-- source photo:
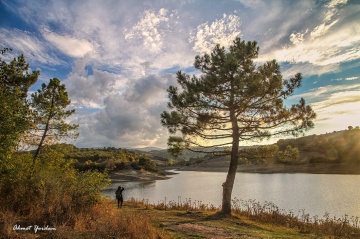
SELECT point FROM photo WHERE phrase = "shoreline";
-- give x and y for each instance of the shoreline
(125, 175)
(319, 168)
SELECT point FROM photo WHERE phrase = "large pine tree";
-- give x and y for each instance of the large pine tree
(233, 100)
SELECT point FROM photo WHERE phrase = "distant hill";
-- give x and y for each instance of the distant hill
(340, 146)
(337, 152)
(145, 149)
(186, 154)
(164, 155)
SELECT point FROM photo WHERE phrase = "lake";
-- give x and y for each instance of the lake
(315, 193)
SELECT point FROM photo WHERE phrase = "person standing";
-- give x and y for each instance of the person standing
(119, 196)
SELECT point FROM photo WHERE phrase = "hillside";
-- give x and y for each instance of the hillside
(164, 154)
(337, 152)
(104, 159)
(341, 146)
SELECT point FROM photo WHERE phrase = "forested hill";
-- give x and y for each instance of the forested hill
(338, 146)
(331, 148)
(101, 159)
(337, 152)
(341, 146)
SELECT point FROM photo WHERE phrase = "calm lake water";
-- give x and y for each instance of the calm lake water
(315, 193)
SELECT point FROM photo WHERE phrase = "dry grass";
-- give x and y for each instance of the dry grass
(269, 213)
(180, 205)
(326, 226)
(106, 221)
(103, 221)
(167, 219)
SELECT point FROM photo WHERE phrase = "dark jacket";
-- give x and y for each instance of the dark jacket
(118, 192)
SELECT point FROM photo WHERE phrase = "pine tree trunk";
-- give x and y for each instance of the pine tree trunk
(41, 141)
(45, 130)
(230, 178)
(228, 186)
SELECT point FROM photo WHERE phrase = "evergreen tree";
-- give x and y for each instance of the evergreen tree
(233, 100)
(49, 104)
(15, 116)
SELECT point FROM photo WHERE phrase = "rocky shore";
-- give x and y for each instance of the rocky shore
(137, 175)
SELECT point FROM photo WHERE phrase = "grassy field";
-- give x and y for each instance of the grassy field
(138, 219)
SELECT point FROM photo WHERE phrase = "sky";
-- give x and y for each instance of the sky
(117, 58)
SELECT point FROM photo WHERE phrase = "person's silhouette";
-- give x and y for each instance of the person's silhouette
(119, 196)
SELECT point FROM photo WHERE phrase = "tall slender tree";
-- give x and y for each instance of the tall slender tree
(49, 106)
(233, 100)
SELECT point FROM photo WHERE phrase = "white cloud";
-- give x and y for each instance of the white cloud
(322, 29)
(352, 78)
(339, 102)
(327, 36)
(297, 38)
(308, 69)
(159, 39)
(148, 32)
(324, 91)
(89, 90)
(347, 78)
(222, 31)
(337, 46)
(69, 45)
(334, 3)
(332, 8)
(24, 42)
(252, 3)
(124, 123)
(339, 109)
(125, 116)
(336, 107)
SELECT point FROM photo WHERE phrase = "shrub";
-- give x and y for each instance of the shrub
(53, 192)
(147, 164)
